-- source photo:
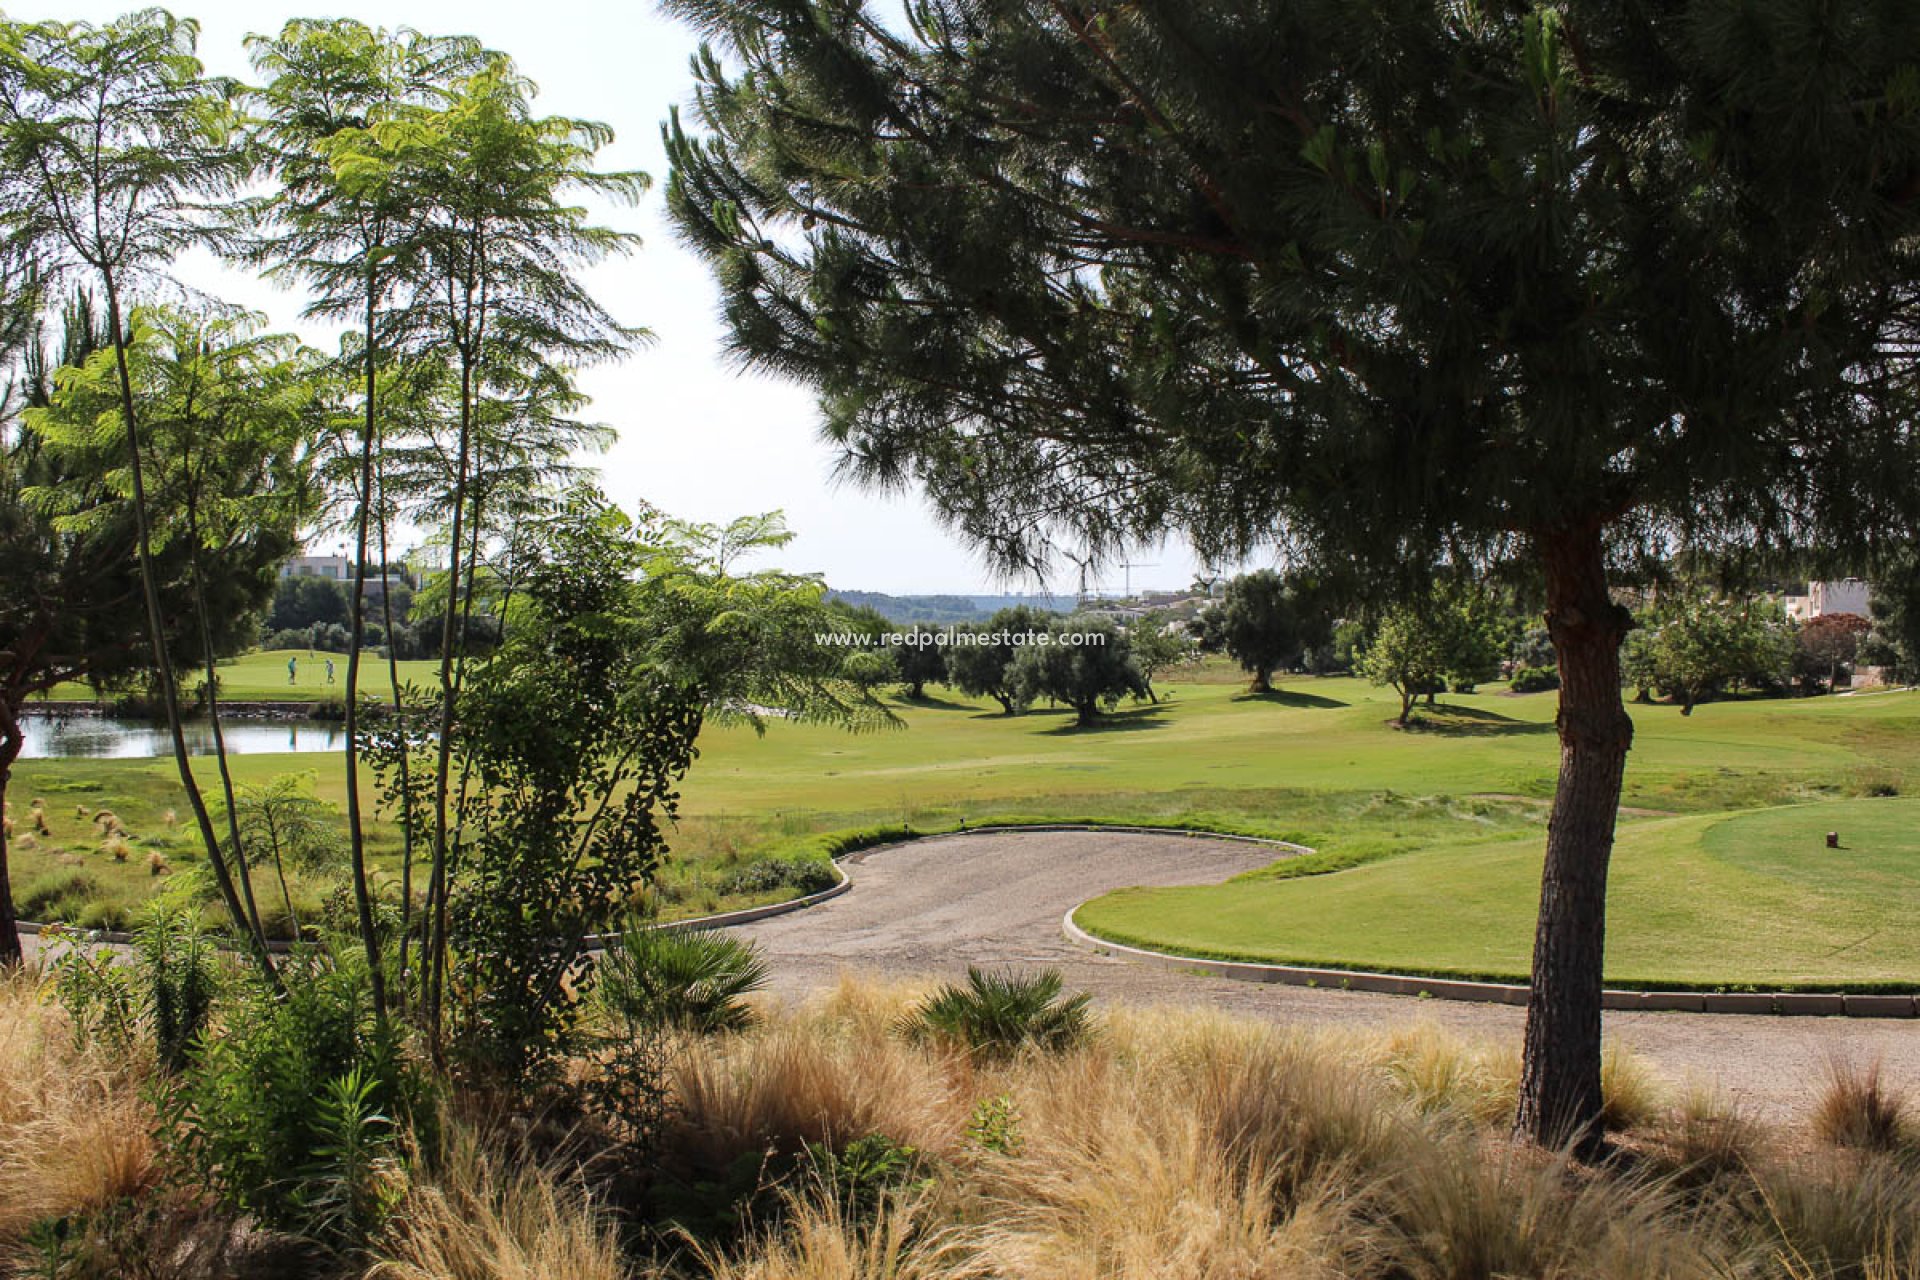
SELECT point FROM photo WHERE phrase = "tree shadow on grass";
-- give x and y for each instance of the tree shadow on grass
(1450, 720)
(1147, 717)
(929, 702)
(1289, 698)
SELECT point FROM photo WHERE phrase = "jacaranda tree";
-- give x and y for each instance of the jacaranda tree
(340, 218)
(1393, 282)
(116, 146)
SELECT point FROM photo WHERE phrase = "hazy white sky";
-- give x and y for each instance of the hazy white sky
(696, 437)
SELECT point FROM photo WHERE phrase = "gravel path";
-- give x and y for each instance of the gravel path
(933, 907)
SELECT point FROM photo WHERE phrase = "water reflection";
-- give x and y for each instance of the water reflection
(103, 737)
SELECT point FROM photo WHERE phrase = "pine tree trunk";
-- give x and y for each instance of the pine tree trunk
(11, 741)
(1560, 1074)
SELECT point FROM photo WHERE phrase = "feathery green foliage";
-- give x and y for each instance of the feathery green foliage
(681, 979)
(997, 1014)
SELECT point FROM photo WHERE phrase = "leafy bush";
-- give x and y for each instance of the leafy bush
(59, 896)
(294, 1112)
(168, 991)
(799, 872)
(98, 995)
(1535, 679)
(997, 1014)
(863, 1173)
(687, 979)
(994, 1125)
(180, 978)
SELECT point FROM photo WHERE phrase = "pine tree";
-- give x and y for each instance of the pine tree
(1395, 283)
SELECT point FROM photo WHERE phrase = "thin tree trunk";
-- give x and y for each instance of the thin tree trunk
(220, 739)
(212, 669)
(437, 887)
(356, 628)
(406, 789)
(286, 894)
(1560, 1098)
(156, 634)
(12, 739)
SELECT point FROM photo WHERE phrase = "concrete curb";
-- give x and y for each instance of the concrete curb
(746, 915)
(1753, 1003)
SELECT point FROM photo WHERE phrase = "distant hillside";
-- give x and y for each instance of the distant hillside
(947, 609)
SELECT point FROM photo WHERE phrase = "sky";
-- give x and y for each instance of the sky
(697, 437)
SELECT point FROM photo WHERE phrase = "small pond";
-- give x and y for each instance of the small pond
(106, 737)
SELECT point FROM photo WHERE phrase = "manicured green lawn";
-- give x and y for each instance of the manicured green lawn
(1751, 899)
(262, 677)
(1452, 813)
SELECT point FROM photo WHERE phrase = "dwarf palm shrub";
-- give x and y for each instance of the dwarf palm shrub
(693, 980)
(996, 1014)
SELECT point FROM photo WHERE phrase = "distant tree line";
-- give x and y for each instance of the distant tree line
(1085, 662)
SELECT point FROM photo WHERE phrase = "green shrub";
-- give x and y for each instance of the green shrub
(688, 979)
(997, 1014)
(800, 872)
(994, 1125)
(1535, 679)
(293, 1113)
(863, 1173)
(167, 992)
(99, 996)
(178, 980)
(112, 916)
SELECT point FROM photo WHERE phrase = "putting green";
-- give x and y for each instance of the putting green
(1748, 900)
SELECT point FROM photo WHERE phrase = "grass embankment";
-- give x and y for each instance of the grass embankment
(1173, 1144)
(1448, 816)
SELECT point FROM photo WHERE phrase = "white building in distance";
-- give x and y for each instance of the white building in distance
(339, 568)
(1847, 595)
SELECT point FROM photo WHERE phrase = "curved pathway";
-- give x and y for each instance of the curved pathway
(934, 906)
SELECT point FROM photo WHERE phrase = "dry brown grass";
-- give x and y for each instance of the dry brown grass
(1195, 1146)
(1858, 1109)
(1173, 1146)
(810, 1081)
(75, 1133)
(820, 1239)
(476, 1214)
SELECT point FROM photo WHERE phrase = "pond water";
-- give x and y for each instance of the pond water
(105, 737)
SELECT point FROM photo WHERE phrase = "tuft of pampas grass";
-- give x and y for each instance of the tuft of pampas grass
(75, 1129)
(475, 1212)
(1856, 1108)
